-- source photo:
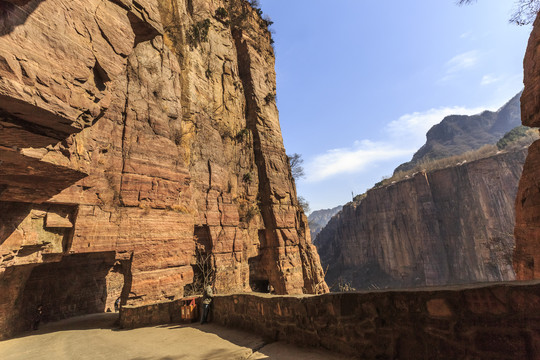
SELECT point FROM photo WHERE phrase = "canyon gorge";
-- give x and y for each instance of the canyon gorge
(441, 227)
(140, 144)
(446, 217)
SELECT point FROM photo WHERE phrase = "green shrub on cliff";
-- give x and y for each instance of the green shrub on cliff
(198, 33)
(303, 203)
(520, 135)
(221, 14)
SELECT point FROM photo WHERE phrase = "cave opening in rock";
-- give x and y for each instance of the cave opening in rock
(204, 272)
(257, 281)
(77, 285)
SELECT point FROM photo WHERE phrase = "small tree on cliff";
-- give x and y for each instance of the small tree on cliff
(524, 10)
(297, 171)
(303, 204)
(295, 162)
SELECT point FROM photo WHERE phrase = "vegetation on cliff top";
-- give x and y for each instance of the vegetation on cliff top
(458, 134)
(517, 138)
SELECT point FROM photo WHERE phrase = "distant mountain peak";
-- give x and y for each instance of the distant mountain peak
(319, 218)
(457, 134)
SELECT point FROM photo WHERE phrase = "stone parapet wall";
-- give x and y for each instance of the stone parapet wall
(155, 314)
(499, 321)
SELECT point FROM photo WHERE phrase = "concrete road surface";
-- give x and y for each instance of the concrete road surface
(94, 337)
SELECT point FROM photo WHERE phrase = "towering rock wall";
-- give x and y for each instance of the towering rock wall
(137, 140)
(527, 230)
(448, 226)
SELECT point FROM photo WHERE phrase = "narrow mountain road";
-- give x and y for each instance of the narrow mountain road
(94, 337)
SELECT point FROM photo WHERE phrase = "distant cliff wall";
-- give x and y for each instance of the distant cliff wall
(445, 227)
(318, 219)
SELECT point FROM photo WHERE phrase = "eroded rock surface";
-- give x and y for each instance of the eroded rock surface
(527, 230)
(134, 144)
(447, 226)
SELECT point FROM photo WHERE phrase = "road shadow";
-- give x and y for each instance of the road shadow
(261, 348)
(14, 13)
(234, 336)
(84, 322)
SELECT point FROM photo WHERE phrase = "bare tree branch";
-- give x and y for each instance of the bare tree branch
(296, 161)
(524, 13)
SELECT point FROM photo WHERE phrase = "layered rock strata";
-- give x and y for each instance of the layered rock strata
(527, 230)
(447, 226)
(137, 140)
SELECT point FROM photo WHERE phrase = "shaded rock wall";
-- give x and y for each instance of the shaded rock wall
(319, 218)
(527, 230)
(483, 322)
(445, 227)
(120, 133)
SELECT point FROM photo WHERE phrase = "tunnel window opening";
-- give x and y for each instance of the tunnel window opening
(204, 273)
(203, 239)
(260, 286)
(77, 285)
(257, 280)
(202, 263)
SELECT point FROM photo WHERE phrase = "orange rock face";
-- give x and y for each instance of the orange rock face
(527, 230)
(134, 136)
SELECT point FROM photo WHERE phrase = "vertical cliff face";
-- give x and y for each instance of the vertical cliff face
(137, 140)
(447, 226)
(527, 230)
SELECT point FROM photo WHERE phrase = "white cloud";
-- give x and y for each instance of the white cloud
(489, 79)
(462, 61)
(416, 125)
(404, 136)
(351, 160)
(459, 63)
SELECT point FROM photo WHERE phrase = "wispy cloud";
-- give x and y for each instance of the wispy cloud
(403, 137)
(415, 126)
(352, 160)
(490, 79)
(460, 63)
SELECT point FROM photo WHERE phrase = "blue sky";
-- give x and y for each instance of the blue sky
(360, 82)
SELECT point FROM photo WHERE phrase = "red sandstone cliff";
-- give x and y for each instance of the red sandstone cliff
(447, 226)
(527, 230)
(131, 134)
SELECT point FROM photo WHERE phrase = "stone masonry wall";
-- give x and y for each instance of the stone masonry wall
(499, 321)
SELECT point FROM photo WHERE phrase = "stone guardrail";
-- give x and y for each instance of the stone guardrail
(498, 321)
